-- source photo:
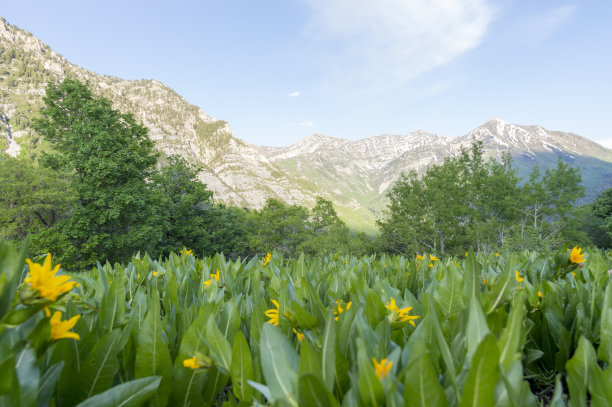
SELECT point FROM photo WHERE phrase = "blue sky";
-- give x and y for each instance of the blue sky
(279, 70)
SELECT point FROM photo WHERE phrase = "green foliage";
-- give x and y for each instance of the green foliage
(143, 324)
(469, 202)
(110, 156)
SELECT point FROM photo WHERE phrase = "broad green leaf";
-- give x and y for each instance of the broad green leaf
(312, 392)
(605, 331)
(279, 361)
(47, 384)
(241, 368)
(479, 388)
(421, 386)
(130, 394)
(510, 341)
(112, 308)
(578, 372)
(328, 353)
(370, 389)
(472, 277)
(477, 327)
(310, 360)
(152, 354)
(28, 374)
(220, 349)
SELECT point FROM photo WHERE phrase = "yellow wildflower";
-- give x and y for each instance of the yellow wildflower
(155, 274)
(339, 310)
(137, 275)
(43, 279)
(540, 294)
(299, 335)
(273, 313)
(576, 256)
(419, 257)
(402, 313)
(187, 252)
(267, 259)
(433, 258)
(496, 254)
(192, 363)
(573, 274)
(430, 265)
(59, 328)
(466, 254)
(484, 282)
(215, 276)
(382, 368)
(518, 277)
(206, 283)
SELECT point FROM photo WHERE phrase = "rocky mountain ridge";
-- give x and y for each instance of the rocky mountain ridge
(354, 174)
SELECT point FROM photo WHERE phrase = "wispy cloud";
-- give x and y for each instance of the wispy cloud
(538, 27)
(306, 124)
(388, 42)
(294, 94)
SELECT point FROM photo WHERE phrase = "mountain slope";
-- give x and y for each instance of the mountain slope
(354, 174)
(236, 171)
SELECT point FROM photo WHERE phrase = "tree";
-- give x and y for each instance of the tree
(111, 157)
(32, 199)
(598, 220)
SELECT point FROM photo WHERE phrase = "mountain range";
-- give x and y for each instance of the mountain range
(354, 174)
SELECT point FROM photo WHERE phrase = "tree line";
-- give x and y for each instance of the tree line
(103, 193)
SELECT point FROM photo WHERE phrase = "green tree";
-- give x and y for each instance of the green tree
(32, 199)
(111, 157)
(598, 220)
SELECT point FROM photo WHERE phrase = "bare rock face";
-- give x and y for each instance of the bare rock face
(354, 174)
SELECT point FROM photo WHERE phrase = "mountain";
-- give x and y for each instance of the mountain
(354, 174)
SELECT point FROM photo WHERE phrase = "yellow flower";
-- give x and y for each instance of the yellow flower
(518, 277)
(466, 254)
(299, 335)
(43, 279)
(484, 282)
(110, 283)
(573, 274)
(59, 328)
(267, 259)
(187, 252)
(191, 363)
(137, 275)
(430, 265)
(496, 254)
(576, 256)
(273, 314)
(154, 273)
(419, 257)
(382, 368)
(215, 276)
(540, 294)
(206, 283)
(433, 258)
(402, 313)
(339, 310)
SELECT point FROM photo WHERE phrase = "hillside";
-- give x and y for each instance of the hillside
(354, 174)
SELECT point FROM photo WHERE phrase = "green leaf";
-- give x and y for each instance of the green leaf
(130, 394)
(310, 361)
(328, 353)
(605, 331)
(472, 277)
(11, 266)
(28, 374)
(477, 327)
(510, 341)
(278, 362)
(98, 371)
(421, 386)
(312, 392)
(370, 389)
(47, 384)
(220, 349)
(579, 372)
(112, 308)
(241, 368)
(479, 388)
(152, 354)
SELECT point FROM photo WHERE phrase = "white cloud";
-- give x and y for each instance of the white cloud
(538, 27)
(306, 124)
(388, 42)
(605, 142)
(294, 94)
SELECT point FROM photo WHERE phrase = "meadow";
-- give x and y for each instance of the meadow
(503, 329)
